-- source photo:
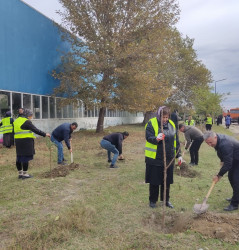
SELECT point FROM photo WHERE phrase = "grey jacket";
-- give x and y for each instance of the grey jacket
(192, 133)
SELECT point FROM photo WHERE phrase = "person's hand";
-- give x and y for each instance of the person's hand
(121, 157)
(180, 160)
(160, 137)
(48, 135)
(70, 149)
(216, 178)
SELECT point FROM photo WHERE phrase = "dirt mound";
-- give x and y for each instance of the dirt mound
(219, 226)
(211, 225)
(60, 171)
(186, 171)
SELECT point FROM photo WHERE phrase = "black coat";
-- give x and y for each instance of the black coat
(115, 139)
(228, 151)
(155, 167)
(25, 146)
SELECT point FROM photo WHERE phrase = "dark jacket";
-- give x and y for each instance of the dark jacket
(115, 139)
(191, 134)
(228, 151)
(174, 118)
(63, 132)
(25, 146)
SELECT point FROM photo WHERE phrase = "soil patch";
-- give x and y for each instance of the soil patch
(60, 171)
(186, 171)
(211, 225)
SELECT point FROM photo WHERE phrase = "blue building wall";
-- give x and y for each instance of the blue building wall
(28, 49)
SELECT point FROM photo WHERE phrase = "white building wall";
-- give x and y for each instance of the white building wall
(48, 125)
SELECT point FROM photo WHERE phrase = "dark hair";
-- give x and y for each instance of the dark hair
(125, 133)
(180, 126)
(8, 114)
(74, 124)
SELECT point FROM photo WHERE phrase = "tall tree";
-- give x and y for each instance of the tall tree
(113, 51)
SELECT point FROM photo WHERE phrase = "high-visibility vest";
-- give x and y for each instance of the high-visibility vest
(21, 133)
(6, 126)
(209, 120)
(151, 149)
(191, 123)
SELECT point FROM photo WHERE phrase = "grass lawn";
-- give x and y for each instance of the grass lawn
(94, 207)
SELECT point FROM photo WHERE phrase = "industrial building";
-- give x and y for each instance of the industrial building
(30, 48)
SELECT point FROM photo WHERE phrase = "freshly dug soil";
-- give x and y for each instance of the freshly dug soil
(60, 171)
(210, 225)
(186, 171)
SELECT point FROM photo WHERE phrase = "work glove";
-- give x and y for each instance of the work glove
(160, 137)
(180, 160)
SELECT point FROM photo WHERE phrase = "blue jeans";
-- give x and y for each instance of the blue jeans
(111, 149)
(60, 149)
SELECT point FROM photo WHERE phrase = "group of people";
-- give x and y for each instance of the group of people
(161, 133)
(161, 148)
(21, 131)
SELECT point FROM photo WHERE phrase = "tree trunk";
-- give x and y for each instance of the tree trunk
(147, 116)
(100, 123)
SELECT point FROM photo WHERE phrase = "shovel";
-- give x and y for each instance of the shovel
(71, 153)
(202, 208)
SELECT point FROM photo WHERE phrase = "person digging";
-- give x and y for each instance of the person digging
(227, 149)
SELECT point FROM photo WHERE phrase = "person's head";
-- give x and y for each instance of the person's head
(28, 113)
(164, 112)
(20, 111)
(189, 117)
(210, 138)
(125, 134)
(8, 114)
(181, 127)
(74, 126)
(208, 115)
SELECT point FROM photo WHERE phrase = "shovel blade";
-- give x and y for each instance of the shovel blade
(200, 208)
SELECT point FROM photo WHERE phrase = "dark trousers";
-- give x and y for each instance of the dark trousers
(22, 166)
(154, 192)
(194, 150)
(233, 176)
(208, 127)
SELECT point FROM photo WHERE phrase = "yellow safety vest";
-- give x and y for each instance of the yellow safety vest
(151, 149)
(209, 120)
(192, 122)
(21, 133)
(6, 126)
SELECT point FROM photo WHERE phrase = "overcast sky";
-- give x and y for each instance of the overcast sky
(214, 26)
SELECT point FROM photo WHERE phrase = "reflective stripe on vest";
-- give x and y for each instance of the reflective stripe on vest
(209, 120)
(151, 149)
(21, 133)
(6, 126)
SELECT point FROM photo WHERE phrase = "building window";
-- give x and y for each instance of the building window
(4, 103)
(16, 103)
(36, 107)
(58, 108)
(44, 107)
(27, 101)
(52, 108)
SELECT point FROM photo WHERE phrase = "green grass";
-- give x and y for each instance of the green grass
(95, 207)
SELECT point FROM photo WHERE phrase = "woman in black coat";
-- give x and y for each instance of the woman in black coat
(24, 140)
(154, 156)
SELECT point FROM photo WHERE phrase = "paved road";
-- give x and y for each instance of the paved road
(235, 129)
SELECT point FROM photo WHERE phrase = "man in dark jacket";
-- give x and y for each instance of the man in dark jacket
(228, 152)
(113, 144)
(194, 138)
(63, 133)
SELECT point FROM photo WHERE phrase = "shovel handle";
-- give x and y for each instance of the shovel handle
(210, 190)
